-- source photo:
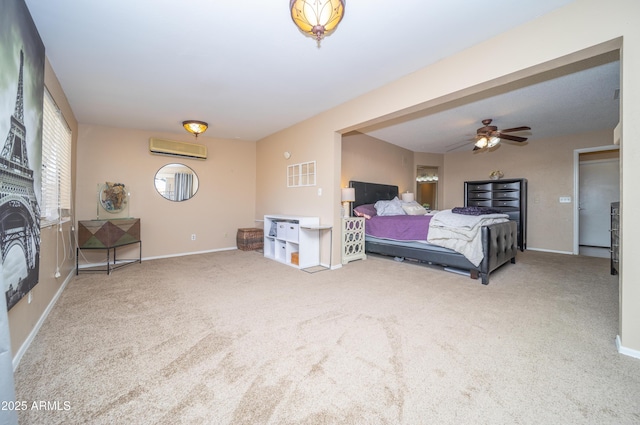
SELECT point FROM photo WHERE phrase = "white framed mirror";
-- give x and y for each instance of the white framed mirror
(176, 182)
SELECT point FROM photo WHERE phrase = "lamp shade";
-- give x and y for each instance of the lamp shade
(348, 194)
(408, 197)
(317, 18)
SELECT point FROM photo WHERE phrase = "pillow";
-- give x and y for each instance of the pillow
(413, 208)
(392, 207)
(366, 210)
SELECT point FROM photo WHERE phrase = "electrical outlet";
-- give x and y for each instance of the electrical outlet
(29, 298)
(319, 191)
(193, 237)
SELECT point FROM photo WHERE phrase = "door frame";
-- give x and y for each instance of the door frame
(576, 190)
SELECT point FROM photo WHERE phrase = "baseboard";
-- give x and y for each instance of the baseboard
(183, 254)
(550, 250)
(334, 267)
(626, 351)
(25, 345)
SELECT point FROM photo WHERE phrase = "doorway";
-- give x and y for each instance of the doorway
(427, 187)
(598, 185)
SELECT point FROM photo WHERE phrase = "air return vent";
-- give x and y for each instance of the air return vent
(179, 149)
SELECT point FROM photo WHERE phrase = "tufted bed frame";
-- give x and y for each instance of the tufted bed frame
(499, 241)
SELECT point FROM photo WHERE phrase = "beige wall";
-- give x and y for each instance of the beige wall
(580, 30)
(308, 141)
(225, 200)
(368, 159)
(548, 167)
(56, 250)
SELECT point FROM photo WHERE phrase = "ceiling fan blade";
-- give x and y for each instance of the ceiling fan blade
(514, 138)
(511, 130)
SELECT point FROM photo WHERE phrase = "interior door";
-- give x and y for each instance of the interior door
(599, 186)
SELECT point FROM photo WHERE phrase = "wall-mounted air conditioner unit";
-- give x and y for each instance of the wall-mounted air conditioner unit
(180, 149)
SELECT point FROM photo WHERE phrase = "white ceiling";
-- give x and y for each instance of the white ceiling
(243, 67)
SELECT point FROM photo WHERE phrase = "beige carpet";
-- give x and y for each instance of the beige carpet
(232, 338)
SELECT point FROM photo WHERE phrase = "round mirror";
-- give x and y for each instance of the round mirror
(176, 182)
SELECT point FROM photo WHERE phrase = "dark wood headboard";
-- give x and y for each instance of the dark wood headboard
(369, 193)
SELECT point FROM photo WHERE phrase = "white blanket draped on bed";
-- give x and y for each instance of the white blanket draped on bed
(461, 233)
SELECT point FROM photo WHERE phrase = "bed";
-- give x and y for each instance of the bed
(498, 241)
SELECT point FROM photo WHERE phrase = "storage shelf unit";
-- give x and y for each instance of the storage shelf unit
(287, 241)
(507, 195)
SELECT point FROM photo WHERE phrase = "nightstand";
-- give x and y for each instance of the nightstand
(352, 239)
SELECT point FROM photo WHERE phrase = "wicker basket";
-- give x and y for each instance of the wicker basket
(250, 239)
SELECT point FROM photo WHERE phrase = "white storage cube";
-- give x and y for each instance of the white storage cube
(282, 230)
(292, 232)
(281, 251)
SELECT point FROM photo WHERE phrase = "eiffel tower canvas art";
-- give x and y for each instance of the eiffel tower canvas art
(22, 66)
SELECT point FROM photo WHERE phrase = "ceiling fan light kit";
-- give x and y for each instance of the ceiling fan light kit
(489, 136)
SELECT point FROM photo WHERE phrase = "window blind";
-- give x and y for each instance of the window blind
(56, 165)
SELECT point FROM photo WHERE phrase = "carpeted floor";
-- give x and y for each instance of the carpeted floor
(232, 338)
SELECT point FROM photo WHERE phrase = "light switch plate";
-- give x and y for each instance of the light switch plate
(565, 199)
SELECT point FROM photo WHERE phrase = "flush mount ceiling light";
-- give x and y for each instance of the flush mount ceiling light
(195, 127)
(317, 18)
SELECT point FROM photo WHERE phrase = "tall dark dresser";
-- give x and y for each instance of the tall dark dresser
(509, 196)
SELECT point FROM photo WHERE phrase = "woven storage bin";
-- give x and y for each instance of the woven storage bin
(250, 239)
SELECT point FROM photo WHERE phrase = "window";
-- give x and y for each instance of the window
(303, 174)
(56, 165)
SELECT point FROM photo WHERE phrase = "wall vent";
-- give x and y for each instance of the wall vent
(179, 149)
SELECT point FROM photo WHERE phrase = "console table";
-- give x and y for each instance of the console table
(108, 235)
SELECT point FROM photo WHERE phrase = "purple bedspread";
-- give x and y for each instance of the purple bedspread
(399, 227)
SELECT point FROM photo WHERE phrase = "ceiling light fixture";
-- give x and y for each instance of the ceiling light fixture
(493, 141)
(195, 127)
(486, 142)
(317, 18)
(482, 143)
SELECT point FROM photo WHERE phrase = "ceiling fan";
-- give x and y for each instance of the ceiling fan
(489, 135)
